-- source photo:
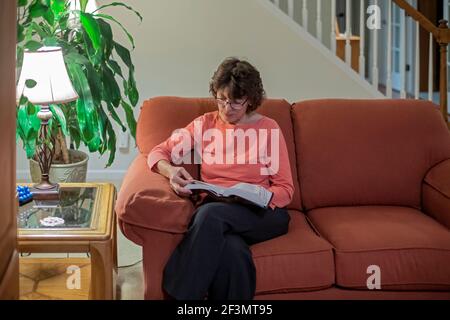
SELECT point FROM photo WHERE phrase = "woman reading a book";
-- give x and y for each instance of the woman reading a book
(214, 260)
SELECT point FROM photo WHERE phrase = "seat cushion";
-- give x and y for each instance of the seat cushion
(411, 249)
(297, 261)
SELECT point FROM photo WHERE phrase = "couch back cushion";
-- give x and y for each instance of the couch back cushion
(366, 152)
(160, 116)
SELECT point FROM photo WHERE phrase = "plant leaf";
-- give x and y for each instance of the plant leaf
(51, 41)
(95, 83)
(111, 144)
(95, 56)
(115, 4)
(105, 16)
(102, 125)
(115, 116)
(83, 5)
(28, 125)
(33, 45)
(86, 113)
(30, 83)
(49, 17)
(132, 91)
(34, 26)
(60, 118)
(92, 29)
(124, 54)
(58, 8)
(107, 37)
(111, 90)
(115, 67)
(75, 57)
(131, 121)
(37, 9)
(20, 33)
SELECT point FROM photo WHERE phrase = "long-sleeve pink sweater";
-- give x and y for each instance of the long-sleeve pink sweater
(231, 153)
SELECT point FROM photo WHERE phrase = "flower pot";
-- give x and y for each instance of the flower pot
(72, 172)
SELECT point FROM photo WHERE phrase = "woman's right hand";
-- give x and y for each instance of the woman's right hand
(178, 178)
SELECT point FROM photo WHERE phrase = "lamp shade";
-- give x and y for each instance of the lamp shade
(46, 67)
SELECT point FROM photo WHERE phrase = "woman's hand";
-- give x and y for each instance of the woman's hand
(178, 178)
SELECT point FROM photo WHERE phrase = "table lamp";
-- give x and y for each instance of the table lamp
(53, 86)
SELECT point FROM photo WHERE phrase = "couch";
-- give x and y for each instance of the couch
(372, 200)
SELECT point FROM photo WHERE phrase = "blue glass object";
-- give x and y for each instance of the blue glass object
(25, 194)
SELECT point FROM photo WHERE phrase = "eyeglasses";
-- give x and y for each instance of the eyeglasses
(234, 105)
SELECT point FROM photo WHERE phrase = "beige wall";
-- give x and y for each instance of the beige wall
(181, 42)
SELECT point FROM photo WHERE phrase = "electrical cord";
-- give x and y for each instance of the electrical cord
(131, 265)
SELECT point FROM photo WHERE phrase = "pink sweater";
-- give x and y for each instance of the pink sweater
(224, 163)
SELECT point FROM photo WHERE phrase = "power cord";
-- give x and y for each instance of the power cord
(131, 265)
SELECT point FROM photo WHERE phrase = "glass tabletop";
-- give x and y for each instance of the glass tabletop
(74, 210)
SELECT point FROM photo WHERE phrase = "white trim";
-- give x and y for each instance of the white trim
(319, 20)
(362, 28)
(92, 175)
(321, 48)
(305, 15)
(291, 8)
(389, 52)
(333, 26)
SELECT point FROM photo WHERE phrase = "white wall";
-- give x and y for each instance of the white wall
(181, 42)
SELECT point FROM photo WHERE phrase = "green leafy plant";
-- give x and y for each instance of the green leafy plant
(96, 64)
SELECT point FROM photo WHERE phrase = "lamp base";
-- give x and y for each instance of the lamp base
(44, 191)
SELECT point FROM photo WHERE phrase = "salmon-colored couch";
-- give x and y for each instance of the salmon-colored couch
(372, 180)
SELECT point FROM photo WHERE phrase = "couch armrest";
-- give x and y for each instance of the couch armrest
(146, 200)
(436, 193)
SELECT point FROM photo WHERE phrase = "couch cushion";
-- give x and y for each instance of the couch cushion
(297, 261)
(411, 249)
(366, 152)
(160, 116)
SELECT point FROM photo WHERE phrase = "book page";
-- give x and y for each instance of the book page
(200, 185)
(254, 193)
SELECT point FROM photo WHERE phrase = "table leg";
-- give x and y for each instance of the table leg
(103, 274)
(115, 248)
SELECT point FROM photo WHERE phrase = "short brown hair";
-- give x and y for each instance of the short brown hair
(241, 79)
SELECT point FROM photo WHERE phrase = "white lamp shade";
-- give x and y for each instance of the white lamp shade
(46, 67)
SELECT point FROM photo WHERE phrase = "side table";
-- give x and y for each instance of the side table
(87, 225)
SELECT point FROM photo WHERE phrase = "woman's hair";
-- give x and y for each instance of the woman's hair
(241, 79)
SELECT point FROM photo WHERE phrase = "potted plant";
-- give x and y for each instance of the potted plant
(95, 63)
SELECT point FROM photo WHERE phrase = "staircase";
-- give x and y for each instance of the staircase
(388, 54)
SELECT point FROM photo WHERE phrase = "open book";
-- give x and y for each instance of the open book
(241, 192)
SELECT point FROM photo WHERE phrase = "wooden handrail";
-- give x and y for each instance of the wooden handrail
(442, 35)
(416, 15)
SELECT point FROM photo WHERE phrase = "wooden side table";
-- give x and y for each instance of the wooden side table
(90, 226)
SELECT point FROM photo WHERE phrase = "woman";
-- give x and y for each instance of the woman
(214, 258)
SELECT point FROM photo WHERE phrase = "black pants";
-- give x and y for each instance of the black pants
(214, 258)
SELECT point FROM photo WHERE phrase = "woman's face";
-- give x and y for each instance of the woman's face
(231, 111)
